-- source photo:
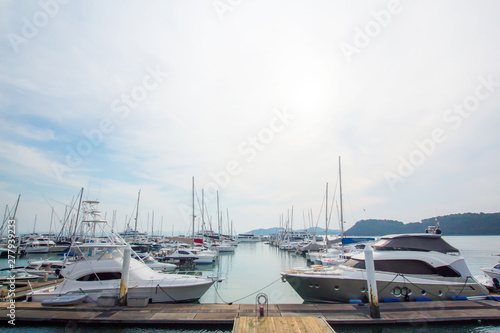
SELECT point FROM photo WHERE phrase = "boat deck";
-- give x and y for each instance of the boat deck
(222, 314)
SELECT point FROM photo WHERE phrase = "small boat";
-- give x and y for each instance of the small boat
(199, 257)
(37, 244)
(68, 299)
(18, 278)
(248, 238)
(222, 247)
(493, 272)
(154, 264)
(47, 269)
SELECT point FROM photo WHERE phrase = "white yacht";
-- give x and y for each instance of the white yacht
(99, 275)
(37, 244)
(46, 269)
(493, 272)
(222, 247)
(248, 238)
(154, 264)
(407, 267)
(198, 257)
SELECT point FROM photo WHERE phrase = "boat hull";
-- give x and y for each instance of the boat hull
(340, 289)
(155, 292)
(492, 273)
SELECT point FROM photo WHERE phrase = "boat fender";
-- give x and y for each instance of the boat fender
(494, 298)
(283, 278)
(459, 298)
(355, 301)
(422, 299)
(390, 300)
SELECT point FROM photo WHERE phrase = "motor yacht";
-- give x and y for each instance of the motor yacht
(248, 238)
(493, 272)
(37, 244)
(154, 264)
(46, 269)
(98, 274)
(198, 257)
(407, 267)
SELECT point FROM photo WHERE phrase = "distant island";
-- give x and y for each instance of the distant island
(473, 224)
(466, 224)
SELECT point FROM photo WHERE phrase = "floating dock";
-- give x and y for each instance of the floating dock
(281, 324)
(222, 314)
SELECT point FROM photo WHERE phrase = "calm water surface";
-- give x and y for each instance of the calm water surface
(255, 268)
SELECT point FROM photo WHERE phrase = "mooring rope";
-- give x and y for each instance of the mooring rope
(239, 299)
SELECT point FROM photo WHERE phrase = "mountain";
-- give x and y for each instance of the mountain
(455, 224)
(269, 231)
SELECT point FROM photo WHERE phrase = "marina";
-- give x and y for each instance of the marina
(244, 276)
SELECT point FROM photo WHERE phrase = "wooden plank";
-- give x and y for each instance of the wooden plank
(281, 324)
(282, 318)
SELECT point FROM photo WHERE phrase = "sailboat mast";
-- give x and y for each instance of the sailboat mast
(218, 219)
(15, 208)
(78, 212)
(341, 206)
(228, 224)
(203, 213)
(326, 217)
(193, 209)
(137, 215)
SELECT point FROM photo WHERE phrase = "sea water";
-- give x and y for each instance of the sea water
(255, 268)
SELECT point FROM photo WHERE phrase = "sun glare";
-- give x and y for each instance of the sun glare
(305, 84)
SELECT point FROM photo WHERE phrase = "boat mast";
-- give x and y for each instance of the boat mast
(341, 206)
(218, 219)
(15, 208)
(203, 213)
(137, 216)
(78, 212)
(193, 211)
(326, 218)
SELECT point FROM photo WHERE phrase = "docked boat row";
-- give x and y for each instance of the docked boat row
(98, 268)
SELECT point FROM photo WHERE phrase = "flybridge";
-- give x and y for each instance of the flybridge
(414, 242)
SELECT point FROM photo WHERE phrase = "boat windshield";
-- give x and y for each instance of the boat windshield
(405, 266)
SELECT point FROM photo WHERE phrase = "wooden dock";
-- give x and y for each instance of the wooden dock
(222, 314)
(21, 292)
(281, 324)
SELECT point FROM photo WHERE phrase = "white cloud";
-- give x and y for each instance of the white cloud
(225, 79)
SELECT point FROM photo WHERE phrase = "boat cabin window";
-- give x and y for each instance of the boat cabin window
(405, 267)
(101, 276)
(183, 252)
(497, 266)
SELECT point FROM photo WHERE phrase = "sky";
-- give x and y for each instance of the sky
(254, 99)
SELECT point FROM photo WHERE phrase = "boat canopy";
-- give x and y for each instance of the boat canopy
(414, 242)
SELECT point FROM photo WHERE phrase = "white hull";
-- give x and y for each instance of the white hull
(165, 294)
(352, 286)
(492, 273)
(37, 250)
